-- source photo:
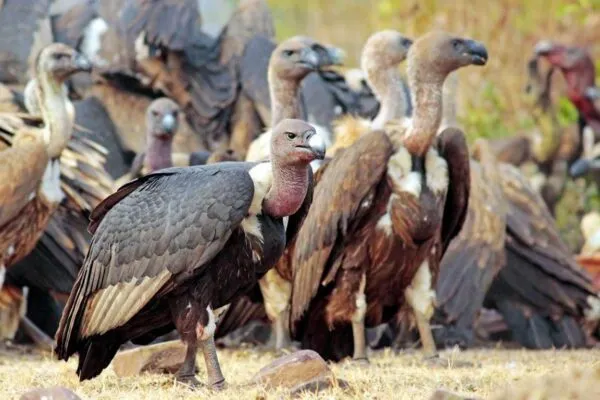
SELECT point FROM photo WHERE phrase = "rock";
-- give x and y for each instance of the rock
(164, 357)
(54, 393)
(301, 370)
(442, 394)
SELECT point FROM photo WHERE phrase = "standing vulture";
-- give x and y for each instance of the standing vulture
(381, 56)
(385, 211)
(173, 246)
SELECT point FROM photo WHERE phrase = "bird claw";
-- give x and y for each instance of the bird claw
(219, 386)
(189, 381)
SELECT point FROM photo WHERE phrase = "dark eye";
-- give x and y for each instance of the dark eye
(288, 53)
(175, 114)
(60, 56)
(406, 42)
(291, 135)
(456, 43)
(155, 113)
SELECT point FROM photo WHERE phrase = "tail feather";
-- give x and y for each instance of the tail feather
(95, 355)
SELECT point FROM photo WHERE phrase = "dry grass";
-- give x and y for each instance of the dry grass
(389, 376)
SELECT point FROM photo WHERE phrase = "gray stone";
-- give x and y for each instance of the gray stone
(54, 393)
(164, 357)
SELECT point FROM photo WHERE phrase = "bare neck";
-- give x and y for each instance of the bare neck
(288, 190)
(158, 154)
(57, 112)
(427, 99)
(387, 86)
(285, 100)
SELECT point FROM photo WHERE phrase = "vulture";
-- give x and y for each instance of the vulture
(385, 210)
(176, 244)
(579, 72)
(41, 187)
(589, 162)
(509, 257)
(382, 54)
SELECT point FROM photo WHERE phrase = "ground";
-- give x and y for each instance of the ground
(390, 376)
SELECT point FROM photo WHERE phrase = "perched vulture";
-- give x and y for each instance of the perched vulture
(37, 182)
(224, 230)
(385, 211)
(510, 257)
(381, 56)
(578, 69)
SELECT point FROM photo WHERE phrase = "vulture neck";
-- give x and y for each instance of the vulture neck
(159, 154)
(285, 101)
(57, 112)
(427, 99)
(288, 190)
(387, 86)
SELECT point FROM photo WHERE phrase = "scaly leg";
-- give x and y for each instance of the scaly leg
(187, 371)
(358, 324)
(215, 377)
(421, 298)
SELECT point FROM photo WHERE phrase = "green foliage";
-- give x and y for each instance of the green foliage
(485, 119)
(567, 113)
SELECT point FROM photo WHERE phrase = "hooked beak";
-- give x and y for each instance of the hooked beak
(309, 58)
(168, 123)
(81, 63)
(329, 55)
(543, 47)
(592, 93)
(317, 145)
(580, 168)
(477, 51)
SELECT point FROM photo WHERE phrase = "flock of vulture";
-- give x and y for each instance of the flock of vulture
(157, 179)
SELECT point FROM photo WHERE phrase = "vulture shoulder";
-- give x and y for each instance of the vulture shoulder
(166, 225)
(343, 186)
(476, 255)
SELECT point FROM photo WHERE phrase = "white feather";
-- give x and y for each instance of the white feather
(92, 40)
(50, 187)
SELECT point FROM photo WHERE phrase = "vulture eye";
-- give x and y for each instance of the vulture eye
(291, 135)
(288, 53)
(155, 113)
(175, 114)
(456, 43)
(60, 56)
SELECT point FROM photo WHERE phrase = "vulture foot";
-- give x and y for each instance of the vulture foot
(189, 380)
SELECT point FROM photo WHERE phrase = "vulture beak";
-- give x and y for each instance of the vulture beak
(168, 123)
(81, 63)
(477, 51)
(310, 58)
(580, 168)
(336, 56)
(543, 47)
(316, 144)
(592, 93)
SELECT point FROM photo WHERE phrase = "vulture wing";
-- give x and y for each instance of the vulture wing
(350, 176)
(540, 267)
(154, 230)
(253, 76)
(21, 173)
(69, 26)
(476, 255)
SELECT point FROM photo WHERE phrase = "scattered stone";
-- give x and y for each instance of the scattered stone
(164, 357)
(54, 393)
(442, 394)
(301, 370)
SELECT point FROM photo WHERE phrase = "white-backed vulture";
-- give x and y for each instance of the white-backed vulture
(388, 207)
(225, 231)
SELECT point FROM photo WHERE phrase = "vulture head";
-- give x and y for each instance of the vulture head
(437, 54)
(59, 61)
(162, 119)
(295, 142)
(384, 50)
(567, 58)
(294, 58)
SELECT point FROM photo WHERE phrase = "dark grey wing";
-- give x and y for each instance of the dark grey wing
(253, 73)
(147, 234)
(20, 21)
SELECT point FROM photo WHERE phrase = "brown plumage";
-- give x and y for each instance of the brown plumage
(510, 257)
(388, 207)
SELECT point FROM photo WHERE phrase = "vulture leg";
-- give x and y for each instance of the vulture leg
(421, 298)
(187, 371)
(277, 293)
(215, 377)
(358, 324)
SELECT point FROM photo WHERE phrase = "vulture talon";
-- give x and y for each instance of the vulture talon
(190, 381)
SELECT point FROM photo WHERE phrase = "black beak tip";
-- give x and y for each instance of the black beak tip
(319, 155)
(579, 168)
(479, 54)
(82, 63)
